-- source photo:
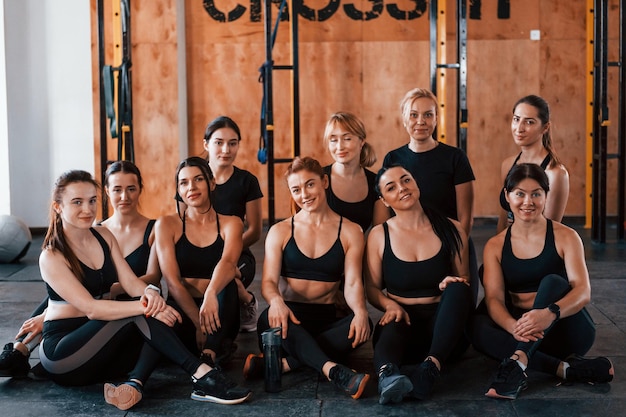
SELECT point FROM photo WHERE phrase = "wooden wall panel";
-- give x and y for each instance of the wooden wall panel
(155, 97)
(363, 66)
(501, 71)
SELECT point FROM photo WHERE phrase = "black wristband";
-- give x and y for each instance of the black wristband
(554, 308)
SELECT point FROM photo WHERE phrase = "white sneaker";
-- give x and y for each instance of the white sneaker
(248, 315)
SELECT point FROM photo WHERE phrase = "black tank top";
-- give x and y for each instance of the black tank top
(505, 204)
(413, 279)
(96, 281)
(195, 262)
(524, 275)
(327, 268)
(138, 259)
(361, 212)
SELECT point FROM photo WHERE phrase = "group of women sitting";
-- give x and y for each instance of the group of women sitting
(399, 239)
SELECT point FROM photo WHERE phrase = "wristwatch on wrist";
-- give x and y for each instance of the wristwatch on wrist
(554, 308)
(152, 287)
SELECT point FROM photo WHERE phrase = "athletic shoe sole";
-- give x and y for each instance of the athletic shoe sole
(361, 388)
(123, 396)
(492, 393)
(200, 396)
(250, 370)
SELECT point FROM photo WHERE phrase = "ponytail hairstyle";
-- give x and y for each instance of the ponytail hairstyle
(55, 238)
(305, 163)
(205, 169)
(543, 112)
(443, 227)
(353, 125)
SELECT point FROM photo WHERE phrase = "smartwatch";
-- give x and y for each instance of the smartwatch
(152, 287)
(554, 308)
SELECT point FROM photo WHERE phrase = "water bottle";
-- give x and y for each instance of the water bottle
(271, 340)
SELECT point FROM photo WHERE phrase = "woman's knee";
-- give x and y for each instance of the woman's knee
(458, 293)
(553, 287)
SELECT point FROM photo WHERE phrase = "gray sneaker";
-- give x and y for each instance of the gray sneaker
(248, 315)
(392, 386)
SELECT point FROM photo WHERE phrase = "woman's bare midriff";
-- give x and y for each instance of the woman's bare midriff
(523, 300)
(307, 291)
(415, 301)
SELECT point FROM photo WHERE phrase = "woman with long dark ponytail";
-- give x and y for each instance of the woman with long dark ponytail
(417, 274)
(531, 128)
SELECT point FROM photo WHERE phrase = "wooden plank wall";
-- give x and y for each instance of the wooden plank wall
(363, 66)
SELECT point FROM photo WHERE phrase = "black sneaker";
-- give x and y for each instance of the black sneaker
(348, 380)
(392, 386)
(509, 381)
(596, 370)
(13, 363)
(423, 379)
(216, 388)
(254, 367)
(225, 354)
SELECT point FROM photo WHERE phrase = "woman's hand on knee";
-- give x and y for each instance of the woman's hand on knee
(169, 316)
(394, 313)
(450, 279)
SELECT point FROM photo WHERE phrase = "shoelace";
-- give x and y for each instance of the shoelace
(343, 377)
(505, 371)
(249, 310)
(385, 370)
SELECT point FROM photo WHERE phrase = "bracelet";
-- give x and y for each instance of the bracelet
(152, 287)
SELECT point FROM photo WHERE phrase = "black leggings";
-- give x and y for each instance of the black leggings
(79, 351)
(247, 267)
(320, 337)
(475, 280)
(436, 330)
(228, 300)
(40, 309)
(571, 335)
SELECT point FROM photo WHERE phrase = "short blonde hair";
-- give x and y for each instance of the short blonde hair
(414, 94)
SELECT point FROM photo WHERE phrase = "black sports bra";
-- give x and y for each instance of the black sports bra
(503, 203)
(413, 279)
(138, 259)
(327, 268)
(96, 281)
(361, 212)
(195, 262)
(524, 275)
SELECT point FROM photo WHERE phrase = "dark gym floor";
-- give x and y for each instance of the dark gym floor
(459, 392)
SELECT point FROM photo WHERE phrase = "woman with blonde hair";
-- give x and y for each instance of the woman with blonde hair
(350, 191)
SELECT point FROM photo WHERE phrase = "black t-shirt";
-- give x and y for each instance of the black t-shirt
(437, 172)
(231, 197)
